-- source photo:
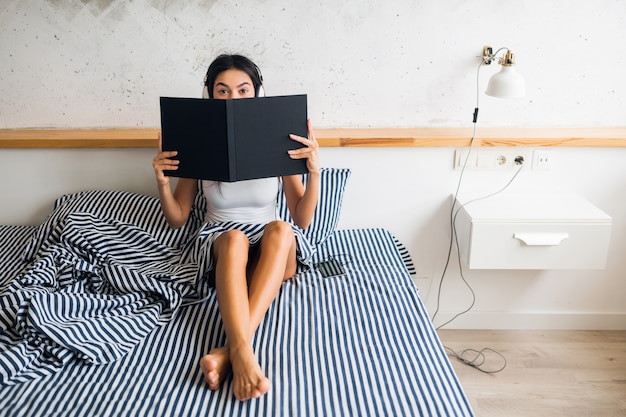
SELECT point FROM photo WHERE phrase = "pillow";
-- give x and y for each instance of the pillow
(326, 216)
(137, 209)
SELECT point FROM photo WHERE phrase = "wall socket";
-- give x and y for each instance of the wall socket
(542, 159)
(493, 159)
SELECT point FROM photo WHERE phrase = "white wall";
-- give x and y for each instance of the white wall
(363, 63)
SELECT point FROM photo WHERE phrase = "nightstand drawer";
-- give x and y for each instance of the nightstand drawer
(532, 231)
(538, 246)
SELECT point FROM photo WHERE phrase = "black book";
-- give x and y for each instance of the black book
(234, 140)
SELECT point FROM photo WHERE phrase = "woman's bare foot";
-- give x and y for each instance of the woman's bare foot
(248, 378)
(216, 366)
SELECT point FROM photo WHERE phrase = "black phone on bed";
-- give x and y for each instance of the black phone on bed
(330, 268)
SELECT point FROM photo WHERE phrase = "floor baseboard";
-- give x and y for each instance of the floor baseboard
(533, 320)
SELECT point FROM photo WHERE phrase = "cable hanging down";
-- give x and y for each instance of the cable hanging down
(479, 357)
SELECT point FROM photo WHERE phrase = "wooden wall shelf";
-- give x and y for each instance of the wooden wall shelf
(334, 137)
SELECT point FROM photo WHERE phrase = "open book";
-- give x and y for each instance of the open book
(234, 140)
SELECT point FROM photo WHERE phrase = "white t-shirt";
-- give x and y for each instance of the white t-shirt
(251, 201)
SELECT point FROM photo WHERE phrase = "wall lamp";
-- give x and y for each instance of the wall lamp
(507, 83)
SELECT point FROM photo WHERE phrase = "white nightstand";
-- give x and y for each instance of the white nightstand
(532, 231)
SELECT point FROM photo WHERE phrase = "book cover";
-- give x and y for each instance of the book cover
(234, 140)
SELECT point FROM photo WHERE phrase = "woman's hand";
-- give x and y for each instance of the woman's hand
(162, 161)
(175, 205)
(309, 151)
(303, 200)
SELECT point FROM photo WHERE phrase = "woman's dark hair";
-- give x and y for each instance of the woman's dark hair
(225, 62)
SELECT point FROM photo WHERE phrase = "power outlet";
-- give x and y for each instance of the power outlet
(542, 160)
(492, 159)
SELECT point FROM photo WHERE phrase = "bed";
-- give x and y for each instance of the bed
(104, 312)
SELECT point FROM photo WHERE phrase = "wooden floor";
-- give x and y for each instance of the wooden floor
(548, 373)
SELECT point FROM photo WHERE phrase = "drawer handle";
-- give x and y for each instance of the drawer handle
(541, 239)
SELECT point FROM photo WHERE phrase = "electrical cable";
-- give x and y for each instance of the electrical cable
(456, 193)
(479, 358)
(456, 241)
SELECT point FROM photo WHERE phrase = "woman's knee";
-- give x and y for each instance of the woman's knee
(279, 231)
(231, 239)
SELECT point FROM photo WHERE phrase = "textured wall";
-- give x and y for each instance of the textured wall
(69, 63)
(380, 63)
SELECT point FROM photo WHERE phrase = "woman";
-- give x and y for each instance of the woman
(248, 270)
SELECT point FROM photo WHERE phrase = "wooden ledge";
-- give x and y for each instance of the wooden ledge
(334, 137)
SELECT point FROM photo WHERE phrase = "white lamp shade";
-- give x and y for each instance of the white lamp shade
(506, 84)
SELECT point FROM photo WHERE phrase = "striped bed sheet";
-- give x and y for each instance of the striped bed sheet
(360, 344)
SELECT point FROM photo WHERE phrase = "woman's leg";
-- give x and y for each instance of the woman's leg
(230, 251)
(274, 262)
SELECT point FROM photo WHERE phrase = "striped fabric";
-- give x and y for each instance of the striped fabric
(406, 256)
(12, 239)
(198, 251)
(91, 294)
(326, 216)
(139, 210)
(356, 345)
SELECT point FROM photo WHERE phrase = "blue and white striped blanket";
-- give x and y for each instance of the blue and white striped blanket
(103, 319)
(93, 294)
(98, 289)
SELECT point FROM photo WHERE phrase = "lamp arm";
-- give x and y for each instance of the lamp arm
(489, 56)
